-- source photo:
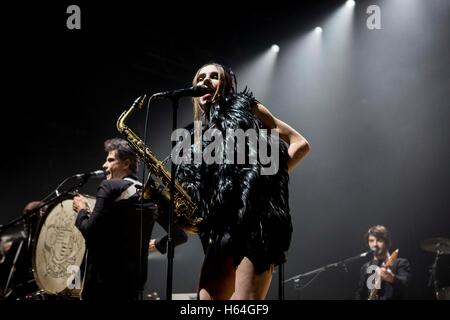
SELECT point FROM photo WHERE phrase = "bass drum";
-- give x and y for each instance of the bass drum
(59, 249)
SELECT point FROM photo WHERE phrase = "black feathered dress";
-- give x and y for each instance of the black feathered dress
(246, 213)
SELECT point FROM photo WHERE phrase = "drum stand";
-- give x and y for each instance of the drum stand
(433, 277)
(7, 292)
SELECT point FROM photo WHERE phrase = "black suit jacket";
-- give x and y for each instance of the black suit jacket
(117, 253)
(389, 291)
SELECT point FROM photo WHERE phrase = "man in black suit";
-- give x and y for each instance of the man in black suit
(394, 280)
(117, 234)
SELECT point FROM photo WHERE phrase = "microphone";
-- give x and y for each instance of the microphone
(194, 91)
(100, 174)
(372, 250)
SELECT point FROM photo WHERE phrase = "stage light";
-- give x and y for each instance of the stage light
(350, 3)
(258, 72)
(318, 30)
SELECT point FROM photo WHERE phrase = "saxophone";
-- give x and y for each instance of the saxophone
(159, 178)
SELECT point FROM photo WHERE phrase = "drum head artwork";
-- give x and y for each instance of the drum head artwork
(59, 250)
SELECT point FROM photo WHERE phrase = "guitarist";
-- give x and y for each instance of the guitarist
(394, 280)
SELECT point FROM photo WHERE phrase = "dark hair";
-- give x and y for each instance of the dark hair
(379, 232)
(124, 152)
(227, 85)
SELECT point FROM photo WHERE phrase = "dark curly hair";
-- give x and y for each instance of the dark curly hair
(124, 152)
(379, 232)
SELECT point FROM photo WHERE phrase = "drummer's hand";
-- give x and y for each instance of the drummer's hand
(31, 206)
(79, 203)
(5, 246)
(152, 245)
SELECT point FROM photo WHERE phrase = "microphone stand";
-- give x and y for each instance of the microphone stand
(343, 263)
(174, 96)
(170, 243)
(280, 281)
(29, 213)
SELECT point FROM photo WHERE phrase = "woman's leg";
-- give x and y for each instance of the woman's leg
(248, 284)
(217, 279)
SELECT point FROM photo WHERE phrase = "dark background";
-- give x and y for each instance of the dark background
(374, 105)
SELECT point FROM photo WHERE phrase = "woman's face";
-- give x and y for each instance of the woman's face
(208, 76)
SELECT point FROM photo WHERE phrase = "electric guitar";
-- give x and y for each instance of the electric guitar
(373, 295)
